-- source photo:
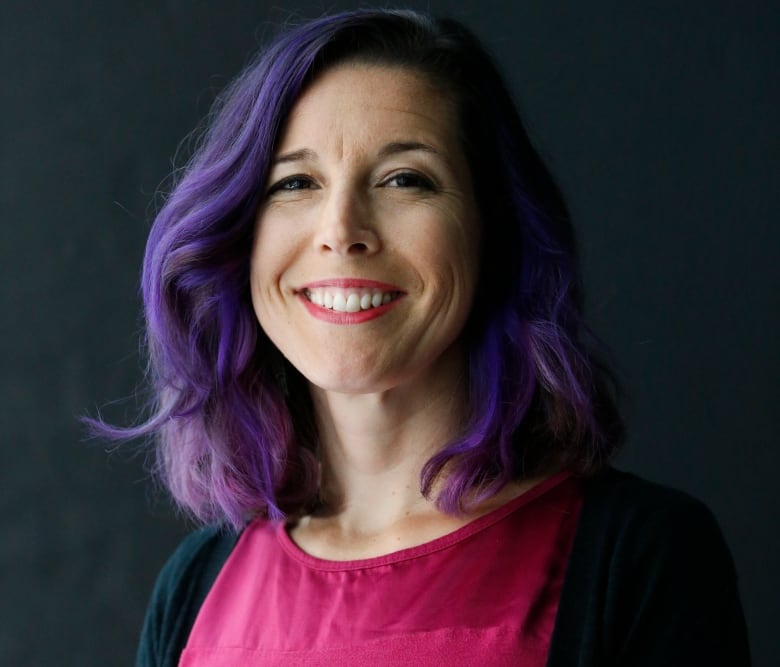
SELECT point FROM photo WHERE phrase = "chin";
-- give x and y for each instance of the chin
(345, 373)
(348, 384)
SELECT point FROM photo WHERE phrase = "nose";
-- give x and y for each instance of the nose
(346, 226)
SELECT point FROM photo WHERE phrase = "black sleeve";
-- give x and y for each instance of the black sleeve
(674, 599)
(650, 582)
(178, 594)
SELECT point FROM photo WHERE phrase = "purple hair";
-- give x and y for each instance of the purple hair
(233, 420)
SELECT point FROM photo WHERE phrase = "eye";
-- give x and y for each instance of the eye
(410, 179)
(290, 184)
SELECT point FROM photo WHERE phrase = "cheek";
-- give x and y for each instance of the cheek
(449, 264)
(458, 249)
(264, 274)
(272, 249)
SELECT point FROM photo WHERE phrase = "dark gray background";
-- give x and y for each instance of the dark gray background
(660, 121)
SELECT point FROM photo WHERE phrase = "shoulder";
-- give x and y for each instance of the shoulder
(629, 523)
(178, 593)
(627, 515)
(616, 500)
(194, 552)
(650, 578)
(613, 484)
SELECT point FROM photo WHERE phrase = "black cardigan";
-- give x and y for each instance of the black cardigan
(650, 582)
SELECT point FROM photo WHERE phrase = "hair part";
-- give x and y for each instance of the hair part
(233, 421)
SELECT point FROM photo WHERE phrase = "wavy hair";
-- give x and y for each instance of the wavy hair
(232, 421)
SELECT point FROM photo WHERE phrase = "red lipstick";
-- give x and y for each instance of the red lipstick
(322, 312)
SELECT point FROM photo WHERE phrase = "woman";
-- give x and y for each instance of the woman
(365, 325)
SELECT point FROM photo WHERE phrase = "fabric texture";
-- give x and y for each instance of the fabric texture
(649, 581)
(489, 588)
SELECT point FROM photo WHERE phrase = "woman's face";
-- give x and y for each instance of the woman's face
(365, 258)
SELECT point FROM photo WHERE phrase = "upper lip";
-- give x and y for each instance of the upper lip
(354, 283)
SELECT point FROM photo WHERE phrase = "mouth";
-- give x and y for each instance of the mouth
(349, 299)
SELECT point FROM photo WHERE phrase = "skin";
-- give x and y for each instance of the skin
(370, 183)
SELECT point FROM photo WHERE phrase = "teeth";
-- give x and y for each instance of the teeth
(349, 301)
(353, 303)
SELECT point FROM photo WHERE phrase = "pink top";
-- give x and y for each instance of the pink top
(485, 594)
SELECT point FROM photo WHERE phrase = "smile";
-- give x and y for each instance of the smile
(349, 300)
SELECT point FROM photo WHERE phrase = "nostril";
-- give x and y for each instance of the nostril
(355, 242)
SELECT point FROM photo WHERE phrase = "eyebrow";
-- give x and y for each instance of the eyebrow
(295, 156)
(405, 146)
(392, 148)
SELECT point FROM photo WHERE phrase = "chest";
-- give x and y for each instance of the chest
(486, 594)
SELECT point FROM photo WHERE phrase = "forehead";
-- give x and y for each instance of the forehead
(366, 103)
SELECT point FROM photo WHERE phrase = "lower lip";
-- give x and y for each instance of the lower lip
(338, 317)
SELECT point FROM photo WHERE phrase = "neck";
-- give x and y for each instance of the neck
(373, 447)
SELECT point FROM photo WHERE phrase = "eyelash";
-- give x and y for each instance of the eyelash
(289, 180)
(417, 180)
(413, 180)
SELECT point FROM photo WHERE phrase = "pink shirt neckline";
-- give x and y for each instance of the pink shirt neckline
(432, 546)
(490, 588)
